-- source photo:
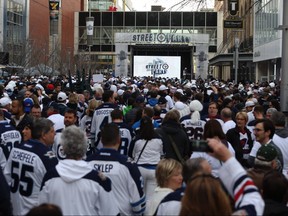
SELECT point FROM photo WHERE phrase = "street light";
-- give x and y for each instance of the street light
(237, 41)
(90, 28)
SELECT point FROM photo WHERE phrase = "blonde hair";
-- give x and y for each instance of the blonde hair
(204, 195)
(242, 114)
(93, 104)
(164, 170)
(73, 98)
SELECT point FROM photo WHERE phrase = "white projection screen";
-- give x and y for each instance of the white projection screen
(158, 66)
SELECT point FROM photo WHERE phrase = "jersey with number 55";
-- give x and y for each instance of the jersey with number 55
(24, 172)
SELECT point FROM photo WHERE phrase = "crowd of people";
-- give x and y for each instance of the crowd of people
(126, 146)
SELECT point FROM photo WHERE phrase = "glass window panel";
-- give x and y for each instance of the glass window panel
(199, 19)
(118, 19)
(164, 19)
(176, 18)
(96, 19)
(141, 18)
(129, 18)
(211, 19)
(153, 19)
(187, 19)
(106, 19)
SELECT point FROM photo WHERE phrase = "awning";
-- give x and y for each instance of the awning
(227, 59)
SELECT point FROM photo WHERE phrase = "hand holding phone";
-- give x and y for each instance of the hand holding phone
(200, 146)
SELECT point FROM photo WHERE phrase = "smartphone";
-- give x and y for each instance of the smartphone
(200, 146)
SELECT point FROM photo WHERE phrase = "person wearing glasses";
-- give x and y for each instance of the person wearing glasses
(264, 131)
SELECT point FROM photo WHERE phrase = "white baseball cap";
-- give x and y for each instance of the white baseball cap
(162, 88)
(61, 96)
(4, 101)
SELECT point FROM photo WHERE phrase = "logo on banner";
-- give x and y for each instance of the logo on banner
(158, 67)
(160, 38)
(54, 9)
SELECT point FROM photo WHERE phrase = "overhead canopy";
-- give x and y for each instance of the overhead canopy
(227, 59)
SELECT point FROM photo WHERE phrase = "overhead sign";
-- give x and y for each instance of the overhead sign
(161, 38)
(233, 7)
(235, 24)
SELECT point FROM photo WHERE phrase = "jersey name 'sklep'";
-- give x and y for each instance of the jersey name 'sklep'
(106, 168)
(11, 135)
(23, 156)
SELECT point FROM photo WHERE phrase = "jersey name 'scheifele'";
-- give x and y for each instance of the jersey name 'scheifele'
(25, 168)
(9, 138)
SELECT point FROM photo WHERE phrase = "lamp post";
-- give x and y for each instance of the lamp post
(284, 61)
(90, 28)
(236, 58)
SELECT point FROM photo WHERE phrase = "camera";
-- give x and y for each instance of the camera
(200, 146)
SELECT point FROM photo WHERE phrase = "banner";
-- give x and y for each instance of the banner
(121, 63)
(54, 6)
(201, 61)
(89, 26)
(161, 38)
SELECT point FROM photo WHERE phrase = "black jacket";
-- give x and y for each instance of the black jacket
(275, 208)
(233, 137)
(180, 138)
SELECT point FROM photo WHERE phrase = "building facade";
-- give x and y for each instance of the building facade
(223, 63)
(14, 26)
(107, 24)
(267, 50)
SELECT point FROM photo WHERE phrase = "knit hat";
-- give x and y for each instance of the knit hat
(195, 107)
(266, 153)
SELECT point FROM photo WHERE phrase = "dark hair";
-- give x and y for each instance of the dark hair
(213, 128)
(258, 108)
(41, 125)
(20, 101)
(177, 95)
(199, 96)
(275, 187)
(275, 103)
(157, 110)
(226, 101)
(116, 114)
(148, 111)
(107, 131)
(153, 94)
(213, 102)
(278, 118)
(146, 128)
(71, 111)
(267, 125)
(106, 95)
(36, 105)
(45, 209)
